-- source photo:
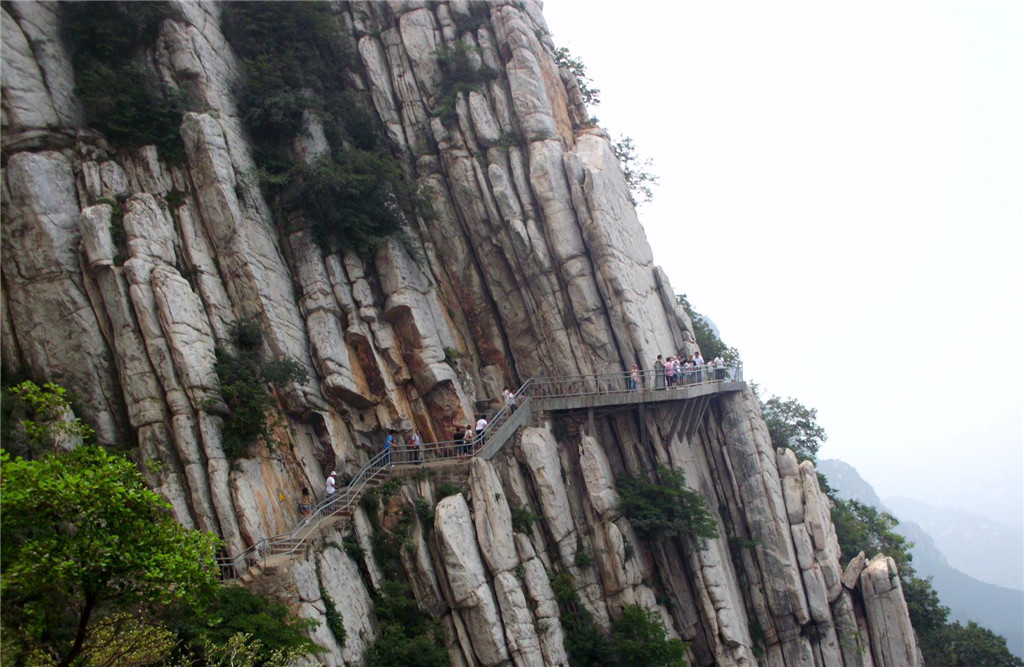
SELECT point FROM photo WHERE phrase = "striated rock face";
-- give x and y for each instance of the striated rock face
(123, 273)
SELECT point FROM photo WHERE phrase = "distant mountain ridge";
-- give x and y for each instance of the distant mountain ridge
(963, 536)
(997, 608)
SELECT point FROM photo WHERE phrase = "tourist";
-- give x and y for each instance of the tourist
(659, 373)
(305, 505)
(417, 445)
(634, 378)
(510, 401)
(670, 372)
(389, 443)
(719, 368)
(481, 424)
(332, 484)
(457, 440)
(467, 440)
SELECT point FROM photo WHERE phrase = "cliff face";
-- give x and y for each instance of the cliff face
(531, 262)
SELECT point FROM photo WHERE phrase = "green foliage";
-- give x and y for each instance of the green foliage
(174, 198)
(861, 527)
(971, 646)
(235, 611)
(451, 357)
(710, 344)
(583, 558)
(124, 639)
(408, 636)
(575, 66)
(446, 489)
(522, 519)
(243, 650)
(460, 74)
(244, 384)
(927, 614)
(636, 171)
(44, 417)
(84, 537)
(293, 54)
(583, 639)
(333, 617)
(353, 548)
(666, 508)
(351, 199)
(628, 550)
(123, 98)
(425, 512)
(639, 638)
(792, 424)
(295, 58)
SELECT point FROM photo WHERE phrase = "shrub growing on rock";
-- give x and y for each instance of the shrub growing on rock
(123, 97)
(666, 508)
(245, 381)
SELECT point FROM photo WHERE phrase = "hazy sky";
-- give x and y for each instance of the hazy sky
(841, 192)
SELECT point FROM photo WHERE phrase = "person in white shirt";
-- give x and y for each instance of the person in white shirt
(481, 424)
(331, 484)
(719, 368)
(510, 400)
(417, 444)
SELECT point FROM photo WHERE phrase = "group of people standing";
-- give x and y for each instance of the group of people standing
(680, 370)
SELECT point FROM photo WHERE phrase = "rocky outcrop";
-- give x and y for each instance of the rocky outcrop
(123, 273)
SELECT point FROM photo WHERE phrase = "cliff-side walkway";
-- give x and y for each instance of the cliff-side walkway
(692, 391)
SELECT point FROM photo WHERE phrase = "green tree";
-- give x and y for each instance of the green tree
(636, 170)
(971, 646)
(407, 635)
(710, 344)
(666, 508)
(83, 537)
(234, 612)
(575, 66)
(792, 424)
(639, 638)
(37, 418)
(861, 527)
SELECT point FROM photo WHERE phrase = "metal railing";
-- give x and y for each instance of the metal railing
(628, 382)
(289, 542)
(486, 442)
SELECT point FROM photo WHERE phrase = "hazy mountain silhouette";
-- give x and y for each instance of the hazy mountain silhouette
(997, 608)
(975, 545)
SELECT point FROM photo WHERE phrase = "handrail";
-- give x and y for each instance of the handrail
(620, 383)
(403, 456)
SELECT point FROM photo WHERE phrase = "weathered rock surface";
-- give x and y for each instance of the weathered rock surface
(123, 274)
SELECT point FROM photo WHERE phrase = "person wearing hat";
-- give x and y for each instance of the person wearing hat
(331, 483)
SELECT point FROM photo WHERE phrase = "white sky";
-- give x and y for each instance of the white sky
(841, 193)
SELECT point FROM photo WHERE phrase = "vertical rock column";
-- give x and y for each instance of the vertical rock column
(493, 520)
(143, 394)
(53, 323)
(472, 596)
(752, 462)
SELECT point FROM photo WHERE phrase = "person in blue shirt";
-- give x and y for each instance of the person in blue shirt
(389, 442)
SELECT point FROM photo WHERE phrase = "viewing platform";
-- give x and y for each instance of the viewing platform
(692, 391)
